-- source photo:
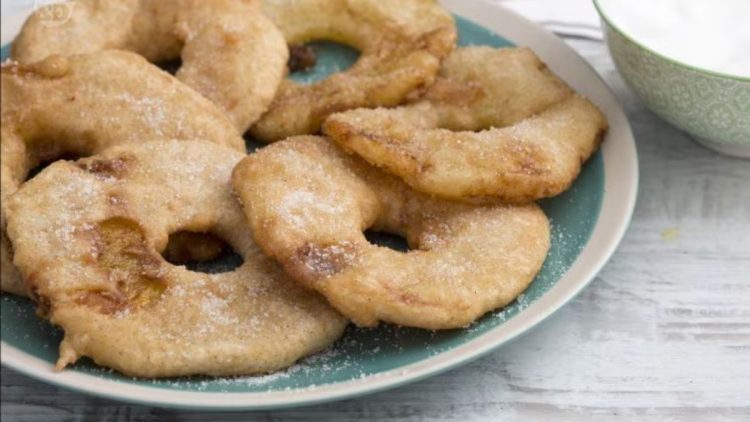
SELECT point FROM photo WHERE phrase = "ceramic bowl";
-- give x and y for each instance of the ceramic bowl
(711, 106)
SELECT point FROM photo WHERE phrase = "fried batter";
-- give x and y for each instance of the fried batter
(88, 237)
(81, 105)
(230, 52)
(308, 203)
(401, 45)
(497, 125)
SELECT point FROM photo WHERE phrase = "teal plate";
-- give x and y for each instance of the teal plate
(367, 360)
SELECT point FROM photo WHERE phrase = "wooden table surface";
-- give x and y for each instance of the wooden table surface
(662, 334)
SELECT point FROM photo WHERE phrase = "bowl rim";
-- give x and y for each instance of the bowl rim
(610, 22)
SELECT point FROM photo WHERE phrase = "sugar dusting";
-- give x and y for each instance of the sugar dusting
(328, 358)
(348, 359)
(301, 208)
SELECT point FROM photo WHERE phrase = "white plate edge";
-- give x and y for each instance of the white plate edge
(617, 207)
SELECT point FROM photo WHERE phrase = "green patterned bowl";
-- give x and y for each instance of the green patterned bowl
(711, 106)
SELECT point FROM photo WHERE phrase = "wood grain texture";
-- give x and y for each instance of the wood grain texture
(662, 334)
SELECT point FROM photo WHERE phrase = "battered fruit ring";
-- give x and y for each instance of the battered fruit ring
(81, 105)
(308, 204)
(401, 45)
(497, 125)
(230, 52)
(88, 237)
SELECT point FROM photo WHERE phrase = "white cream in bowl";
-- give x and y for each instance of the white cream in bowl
(708, 34)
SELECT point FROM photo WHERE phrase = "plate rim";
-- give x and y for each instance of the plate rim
(617, 207)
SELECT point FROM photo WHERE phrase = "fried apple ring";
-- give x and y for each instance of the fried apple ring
(308, 203)
(497, 125)
(88, 237)
(401, 45)
(81, 105)
(230, 52)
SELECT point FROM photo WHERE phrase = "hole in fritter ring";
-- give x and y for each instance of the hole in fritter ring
(251, 143)
(301, 58)
(317, 60)
(388, 240)
(201, 252)
(170, 66)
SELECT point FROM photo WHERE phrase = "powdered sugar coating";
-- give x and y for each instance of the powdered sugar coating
(401, 45)
(496, 126)
(83, 104)
(231, 53)
(465, 260)
(251, 320)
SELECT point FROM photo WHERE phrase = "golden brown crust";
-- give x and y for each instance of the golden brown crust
(96, 267)
(496, 126)
(230, 52)
(81, 105)
(309, 203)
(401, 45)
